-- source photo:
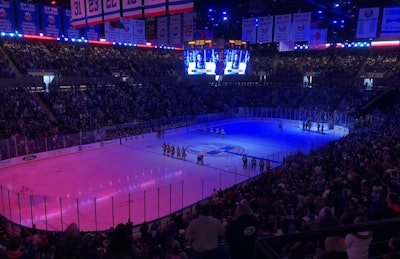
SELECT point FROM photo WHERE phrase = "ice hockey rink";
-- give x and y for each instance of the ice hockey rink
(134, 180)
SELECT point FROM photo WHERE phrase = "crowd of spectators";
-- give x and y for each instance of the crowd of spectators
(262, 60)
(89, 60)
(30, 116)
(381, 61)
(289, 64)
(86, 60)
(5, 69)
(332, 186)
(346, 64)
(316, 62)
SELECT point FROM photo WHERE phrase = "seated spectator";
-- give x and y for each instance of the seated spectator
(121, 245)
(358, 243)
(176, 252)
(14, 249)
(73, 245)
(335, 248)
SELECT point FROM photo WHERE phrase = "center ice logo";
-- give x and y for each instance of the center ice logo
(215, 149)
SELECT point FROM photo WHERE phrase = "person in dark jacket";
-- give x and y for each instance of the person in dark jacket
(242, 232)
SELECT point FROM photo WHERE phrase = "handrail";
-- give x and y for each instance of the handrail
(267, 247)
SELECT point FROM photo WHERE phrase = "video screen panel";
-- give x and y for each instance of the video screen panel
(236, 61)
(201, 61)
(205, 62)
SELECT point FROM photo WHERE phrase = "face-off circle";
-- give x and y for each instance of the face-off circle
(215, 149)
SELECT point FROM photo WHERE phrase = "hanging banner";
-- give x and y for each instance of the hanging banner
(175, 29)
(155, 8)
(139, 32)
(78, 13)
(264, 29)
(282, 27)
(111, 10)
(188, 27)
(286, 46)
(391, 22)
(92, 32)
(94, 13)
(51, 21)
(131, 9)
(162, 30)
(126, 33)
(301, 26)
(69, 31)
(318, 39)
(249, 30)
(28, 18)
(151, 28)
(180, 6)
(111, 33)
(367, 22)
(7, 17)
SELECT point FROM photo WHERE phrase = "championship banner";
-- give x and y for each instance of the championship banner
(126, 33)
(151, 28)
(175, 29)
(155, 8)
(367, 22)
(111, 10)
(162, 30)
(69, 31)
(94, 14)
(131, 9)
(318, 39)
(139, 33)
(78, 13)
(111, 33)
(282, 27)
(51, 21)
(301, 26)
(92, 32)
(264, 29)
(180, 6)
(28, 18)
(188, 27)
(7, 17)
(249, 30)
(391, 22)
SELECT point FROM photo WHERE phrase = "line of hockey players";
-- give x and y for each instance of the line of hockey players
(170, 150)
(217, 131)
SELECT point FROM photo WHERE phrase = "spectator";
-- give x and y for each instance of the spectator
(73, 245)
(335, 248)
(358, 243)
(328, 219)
(242, 232)
(121, 245)
(203, 233)
(175, 252)
(14, 249)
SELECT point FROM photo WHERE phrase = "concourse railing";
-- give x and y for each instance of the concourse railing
(275, 247)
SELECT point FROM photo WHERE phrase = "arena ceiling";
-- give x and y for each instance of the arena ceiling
(224, 17)
(339, 16)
